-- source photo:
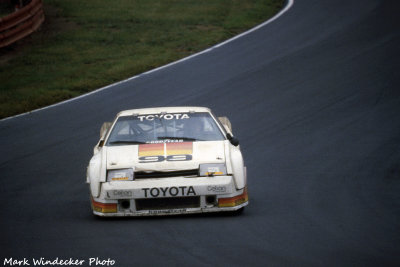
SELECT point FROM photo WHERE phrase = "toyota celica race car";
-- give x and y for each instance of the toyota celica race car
(172, 160)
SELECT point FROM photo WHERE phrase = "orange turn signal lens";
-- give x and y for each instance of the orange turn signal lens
(104, 207)
(213, 173)
(234, 201)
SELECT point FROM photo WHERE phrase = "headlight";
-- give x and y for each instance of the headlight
(120, 175)
(212, 169)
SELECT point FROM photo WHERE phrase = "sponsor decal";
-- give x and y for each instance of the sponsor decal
(120, 193)
(165, 141)
(168, 116)
(167, 211)
(165, 152)
(217, 189)
(169, 191)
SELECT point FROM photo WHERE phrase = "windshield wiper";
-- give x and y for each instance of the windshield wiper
(126, 142)
(178, 138)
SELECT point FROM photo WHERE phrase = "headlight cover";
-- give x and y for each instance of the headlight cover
(120, 175)
(212, 169)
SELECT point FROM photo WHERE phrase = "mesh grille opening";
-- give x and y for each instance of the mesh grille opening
(145, 175)
(167, 203)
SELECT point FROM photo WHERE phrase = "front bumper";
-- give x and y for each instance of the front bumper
(166, 196)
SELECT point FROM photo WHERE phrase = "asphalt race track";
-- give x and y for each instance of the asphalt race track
(314, 98)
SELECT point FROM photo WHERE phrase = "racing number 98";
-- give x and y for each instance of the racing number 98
(148, 159)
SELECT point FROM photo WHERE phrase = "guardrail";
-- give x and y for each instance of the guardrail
(21, 23)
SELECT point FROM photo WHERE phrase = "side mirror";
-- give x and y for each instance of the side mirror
(101, 143)
(234, 141)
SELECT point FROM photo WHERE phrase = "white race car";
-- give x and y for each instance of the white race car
(169, 160)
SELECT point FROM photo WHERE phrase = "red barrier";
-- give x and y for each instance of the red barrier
(21, 23)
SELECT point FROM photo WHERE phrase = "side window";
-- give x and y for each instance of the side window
(208, 127)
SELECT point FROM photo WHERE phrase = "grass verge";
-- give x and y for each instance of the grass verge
(84, 45)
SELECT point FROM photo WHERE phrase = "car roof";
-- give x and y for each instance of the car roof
(158, 110)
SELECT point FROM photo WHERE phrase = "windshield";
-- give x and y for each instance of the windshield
(162, 128)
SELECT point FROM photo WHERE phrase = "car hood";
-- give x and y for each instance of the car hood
(165, 156)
